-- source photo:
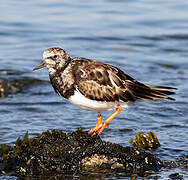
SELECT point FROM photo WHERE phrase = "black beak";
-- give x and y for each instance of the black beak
(41, 65)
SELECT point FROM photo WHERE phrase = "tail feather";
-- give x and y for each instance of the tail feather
(164, 89)
(146, 92)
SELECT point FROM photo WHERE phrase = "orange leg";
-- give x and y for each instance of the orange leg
(99, 120)
(100, 126)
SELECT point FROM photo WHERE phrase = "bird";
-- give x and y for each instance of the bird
(96, 86)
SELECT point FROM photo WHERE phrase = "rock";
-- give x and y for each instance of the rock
(57, 153)
(176, 176)
(11, 84)
(4, 88)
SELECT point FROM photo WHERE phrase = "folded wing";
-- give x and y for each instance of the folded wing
(98, 81)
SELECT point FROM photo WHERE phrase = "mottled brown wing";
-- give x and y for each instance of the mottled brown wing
(99, 81)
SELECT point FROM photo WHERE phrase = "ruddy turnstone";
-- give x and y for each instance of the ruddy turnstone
(96, 86)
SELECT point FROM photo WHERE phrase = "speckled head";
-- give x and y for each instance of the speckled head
(54, 59)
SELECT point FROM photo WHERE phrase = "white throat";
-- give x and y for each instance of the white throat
(51, 70)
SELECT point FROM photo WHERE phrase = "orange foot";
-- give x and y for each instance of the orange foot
(100, 127)
(98, 124)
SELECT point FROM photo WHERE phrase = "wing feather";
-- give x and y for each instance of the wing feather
(103, 82)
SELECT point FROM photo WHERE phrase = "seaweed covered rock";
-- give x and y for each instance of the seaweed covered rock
(54, 152)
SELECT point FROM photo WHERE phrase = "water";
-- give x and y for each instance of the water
(146, 39)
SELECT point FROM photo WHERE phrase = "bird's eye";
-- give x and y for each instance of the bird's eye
(55, 56)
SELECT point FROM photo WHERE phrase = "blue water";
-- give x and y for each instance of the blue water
(146, 39)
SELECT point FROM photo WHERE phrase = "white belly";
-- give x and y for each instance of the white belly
(98, 106)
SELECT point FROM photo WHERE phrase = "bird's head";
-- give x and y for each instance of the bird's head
(54, 59)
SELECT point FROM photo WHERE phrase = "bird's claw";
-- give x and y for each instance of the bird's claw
(98, 129)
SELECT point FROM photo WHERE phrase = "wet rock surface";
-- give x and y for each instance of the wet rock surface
(16, 86)
(181, 162)
(11, 82)
(176, 176)
(57, 153)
